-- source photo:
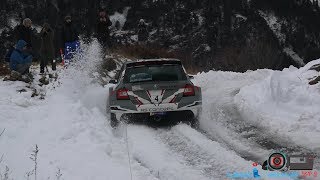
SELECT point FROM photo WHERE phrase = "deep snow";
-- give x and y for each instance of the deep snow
(220, 119)
(286, 106)
(71, 128)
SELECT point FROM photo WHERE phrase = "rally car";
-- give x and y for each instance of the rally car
(153, 90)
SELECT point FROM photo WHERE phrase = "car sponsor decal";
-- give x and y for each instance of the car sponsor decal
(172, 98)
(140, 103)
(159, 108)
(136, 97)
(155, 96)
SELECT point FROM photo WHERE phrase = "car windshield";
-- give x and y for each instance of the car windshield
(154, 73)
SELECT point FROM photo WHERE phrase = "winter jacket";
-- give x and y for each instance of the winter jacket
(24, 33)
(103, 31)
(69, 33)
(47, 46)
(142, 32)
(18, 56)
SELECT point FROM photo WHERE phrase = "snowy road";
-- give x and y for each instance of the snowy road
(71, 128)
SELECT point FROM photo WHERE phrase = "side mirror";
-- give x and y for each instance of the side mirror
(113, 81)
(191, 77)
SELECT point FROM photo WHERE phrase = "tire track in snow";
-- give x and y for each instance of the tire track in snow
(257, 134)
(221, 126)
(147, 147)
(223, 123)
(220, 121)
(203, 154)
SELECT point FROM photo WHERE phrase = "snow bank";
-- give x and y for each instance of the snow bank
(285, 105)
(220, 119)
(69, 126)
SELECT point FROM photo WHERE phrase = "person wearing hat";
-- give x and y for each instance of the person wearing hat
(70, 38)
(47, 47)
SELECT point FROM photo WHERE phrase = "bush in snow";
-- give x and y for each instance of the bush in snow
(34, 158)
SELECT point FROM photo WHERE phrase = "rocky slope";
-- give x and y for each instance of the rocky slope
(230, 35)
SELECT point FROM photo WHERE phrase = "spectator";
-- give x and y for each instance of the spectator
(24, 32)
(70, 38)
(142, 31)
(103, 32)
(47, 48)
(20, 60)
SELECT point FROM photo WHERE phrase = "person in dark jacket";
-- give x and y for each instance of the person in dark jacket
(142, 31)
(24, 32)
(103, 32)
(47, 48)
(20, 59)
(70, 38)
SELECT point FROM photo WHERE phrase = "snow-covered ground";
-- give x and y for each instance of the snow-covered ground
(220, 119)
(259, 112)
(71, 129)
(285, 105)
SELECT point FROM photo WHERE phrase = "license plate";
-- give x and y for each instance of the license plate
(158, 113)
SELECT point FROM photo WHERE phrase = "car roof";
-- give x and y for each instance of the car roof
(153, 60)
(146, 62)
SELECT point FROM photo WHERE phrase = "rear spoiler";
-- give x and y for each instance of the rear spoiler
(146, 63)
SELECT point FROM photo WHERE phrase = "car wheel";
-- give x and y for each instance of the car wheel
(113, 120)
